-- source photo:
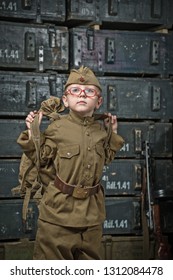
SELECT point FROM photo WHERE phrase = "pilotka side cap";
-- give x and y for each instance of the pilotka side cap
(82, 76)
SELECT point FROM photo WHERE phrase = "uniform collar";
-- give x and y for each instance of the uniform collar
(79, 119)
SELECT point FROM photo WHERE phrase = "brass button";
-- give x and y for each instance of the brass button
(68, 154)
(89, 149)
(89, 166)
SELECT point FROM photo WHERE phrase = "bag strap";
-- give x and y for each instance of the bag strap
(35, 134)
(109, 132)
(49, 108)
(109, 129)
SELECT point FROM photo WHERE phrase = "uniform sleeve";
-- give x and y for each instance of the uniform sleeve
(115, 143)
(26, 143)
(47, 146)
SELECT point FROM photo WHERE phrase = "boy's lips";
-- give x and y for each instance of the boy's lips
(81, 102)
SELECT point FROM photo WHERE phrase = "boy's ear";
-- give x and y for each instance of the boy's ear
(65, 101)
(99, 102)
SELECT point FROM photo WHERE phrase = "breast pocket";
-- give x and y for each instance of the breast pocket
(68, 158)
(69, 151)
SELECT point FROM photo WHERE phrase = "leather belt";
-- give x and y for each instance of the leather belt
(77, 191)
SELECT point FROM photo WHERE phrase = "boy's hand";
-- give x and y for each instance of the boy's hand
(30, 117)
(113, 120)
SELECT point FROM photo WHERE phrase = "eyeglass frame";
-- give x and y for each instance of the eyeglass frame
(82, 90)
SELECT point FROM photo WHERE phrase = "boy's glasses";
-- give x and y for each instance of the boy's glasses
(76, 91)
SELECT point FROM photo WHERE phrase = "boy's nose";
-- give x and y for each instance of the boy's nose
(82, 93)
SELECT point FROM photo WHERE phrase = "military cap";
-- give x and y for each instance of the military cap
(82, 76)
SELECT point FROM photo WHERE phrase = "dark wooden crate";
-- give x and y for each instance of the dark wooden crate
(10, 131)
(123, 216)
(136, 14)
(137, 98)
(126, 248)
(21, 92)
(9, 170)
(119, 52)
(20, 250)
(158, 134)
(43, 10)
(12, 226)
(123, 177)
(33, 46)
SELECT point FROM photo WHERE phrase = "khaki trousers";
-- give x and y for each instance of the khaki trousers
(55, 242)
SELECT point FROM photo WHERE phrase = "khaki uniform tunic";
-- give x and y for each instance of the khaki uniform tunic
(76, 146)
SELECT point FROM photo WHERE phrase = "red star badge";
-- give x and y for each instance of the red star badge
(82, 79)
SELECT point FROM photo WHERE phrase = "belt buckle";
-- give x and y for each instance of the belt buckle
(80, 192)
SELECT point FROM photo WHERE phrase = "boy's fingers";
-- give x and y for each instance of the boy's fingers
(40, 116)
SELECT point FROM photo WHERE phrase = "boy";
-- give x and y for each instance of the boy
(72, 209)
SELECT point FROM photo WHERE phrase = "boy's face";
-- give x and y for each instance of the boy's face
(83, 99)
